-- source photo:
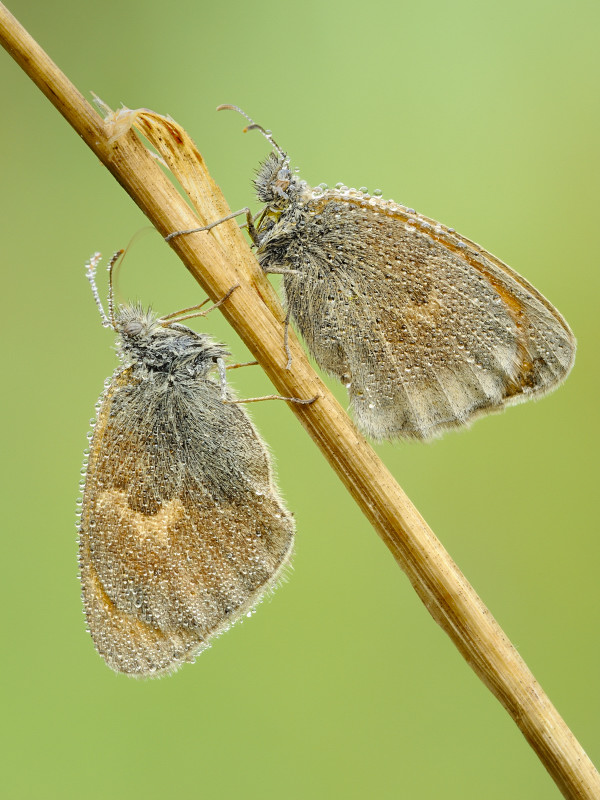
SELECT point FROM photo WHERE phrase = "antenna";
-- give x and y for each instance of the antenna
(253, 126)
(91, 265)
(111, 268)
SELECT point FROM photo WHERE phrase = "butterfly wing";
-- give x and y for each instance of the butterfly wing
(426, 329)
(182, 530)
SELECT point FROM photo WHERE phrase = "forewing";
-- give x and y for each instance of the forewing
(182, 531)
(427, 329)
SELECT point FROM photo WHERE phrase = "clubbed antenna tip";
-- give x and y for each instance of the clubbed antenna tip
(253, 126)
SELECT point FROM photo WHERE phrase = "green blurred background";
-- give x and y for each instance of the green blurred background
(481, 115)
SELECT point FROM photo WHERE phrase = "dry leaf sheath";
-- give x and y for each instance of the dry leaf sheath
(222, 259)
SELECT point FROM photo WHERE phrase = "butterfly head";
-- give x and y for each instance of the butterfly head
(164, 346)
(274, 183)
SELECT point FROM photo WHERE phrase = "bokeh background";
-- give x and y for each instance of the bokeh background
(482, 115)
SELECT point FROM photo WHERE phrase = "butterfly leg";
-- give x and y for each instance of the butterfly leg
(187, 315)
(249, 223)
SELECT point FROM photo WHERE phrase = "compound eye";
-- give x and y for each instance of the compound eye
(133, 328)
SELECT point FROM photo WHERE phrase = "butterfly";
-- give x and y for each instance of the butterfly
(182, 528)
(425, 328)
